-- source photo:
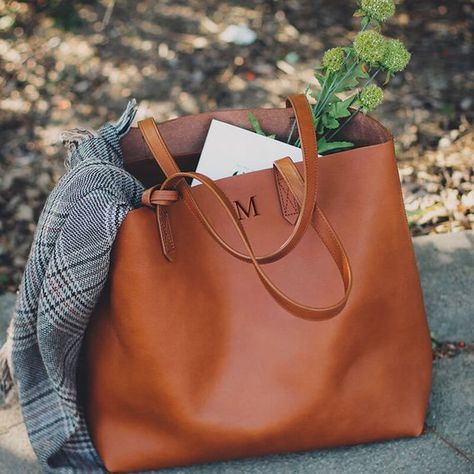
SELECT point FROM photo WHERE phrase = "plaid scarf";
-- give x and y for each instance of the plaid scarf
(65, 273)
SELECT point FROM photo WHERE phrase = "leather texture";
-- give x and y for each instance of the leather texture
(222, 366)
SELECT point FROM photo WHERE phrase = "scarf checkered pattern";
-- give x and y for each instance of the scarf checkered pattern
(66, 270)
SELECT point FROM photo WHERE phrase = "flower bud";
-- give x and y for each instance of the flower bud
(371, 97)
(333, 59)
(370, 46)
(396, 56)
(378, 10)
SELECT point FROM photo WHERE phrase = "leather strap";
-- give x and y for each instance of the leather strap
(304, 121)
(322, 227)
(289, 173)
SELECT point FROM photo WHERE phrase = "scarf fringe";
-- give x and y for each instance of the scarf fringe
(8, 388)
(73, 137)
(123, 124)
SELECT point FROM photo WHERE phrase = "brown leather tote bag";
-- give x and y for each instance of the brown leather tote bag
(268, 312)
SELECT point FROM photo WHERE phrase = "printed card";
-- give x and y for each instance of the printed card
(230, 150)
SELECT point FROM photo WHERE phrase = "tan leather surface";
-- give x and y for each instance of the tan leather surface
(193, 361)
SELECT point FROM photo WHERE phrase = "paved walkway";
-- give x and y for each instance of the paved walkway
(446, 264)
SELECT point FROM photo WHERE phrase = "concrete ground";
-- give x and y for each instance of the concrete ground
(446, 264)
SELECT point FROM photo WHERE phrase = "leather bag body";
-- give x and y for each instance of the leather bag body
(204, 349)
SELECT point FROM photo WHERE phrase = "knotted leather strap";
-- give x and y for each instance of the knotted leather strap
(304, 121)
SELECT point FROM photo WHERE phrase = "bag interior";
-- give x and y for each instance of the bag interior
(185, 136)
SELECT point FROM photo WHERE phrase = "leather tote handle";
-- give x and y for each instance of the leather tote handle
(304, 121)
(320, 224)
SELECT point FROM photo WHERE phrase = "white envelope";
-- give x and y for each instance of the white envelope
(230, 150)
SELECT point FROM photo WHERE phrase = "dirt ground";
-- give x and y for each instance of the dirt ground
(69, 64)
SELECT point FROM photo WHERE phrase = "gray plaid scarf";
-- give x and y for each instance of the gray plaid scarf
(66, 270)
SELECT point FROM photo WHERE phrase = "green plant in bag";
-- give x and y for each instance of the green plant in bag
(347, 77)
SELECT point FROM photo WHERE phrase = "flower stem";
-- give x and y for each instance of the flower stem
(324, 96)
(333, 134)
(318, 108)
(294, 123)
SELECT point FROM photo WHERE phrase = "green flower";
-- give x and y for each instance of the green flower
(371, 97)
(333, 59)
(378, 10)
(370, 46)
(396, 56)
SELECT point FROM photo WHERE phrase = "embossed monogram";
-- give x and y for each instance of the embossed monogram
(245, 213)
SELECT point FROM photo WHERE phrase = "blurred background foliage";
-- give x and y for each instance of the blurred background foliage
(75, 64)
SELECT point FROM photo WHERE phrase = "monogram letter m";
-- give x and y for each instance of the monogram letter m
(246, 213)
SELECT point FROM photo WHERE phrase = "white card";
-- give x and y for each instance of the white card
(230, 150)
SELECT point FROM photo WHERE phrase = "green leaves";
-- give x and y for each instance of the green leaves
(340, 109)
(351, 78)
(365, 22)
(325, 147)
(321, 78)
(256, 125)
(352, 71)
(328, 121)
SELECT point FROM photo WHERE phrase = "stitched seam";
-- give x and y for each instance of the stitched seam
(166, 229)
(278, 177)
(285, 199)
